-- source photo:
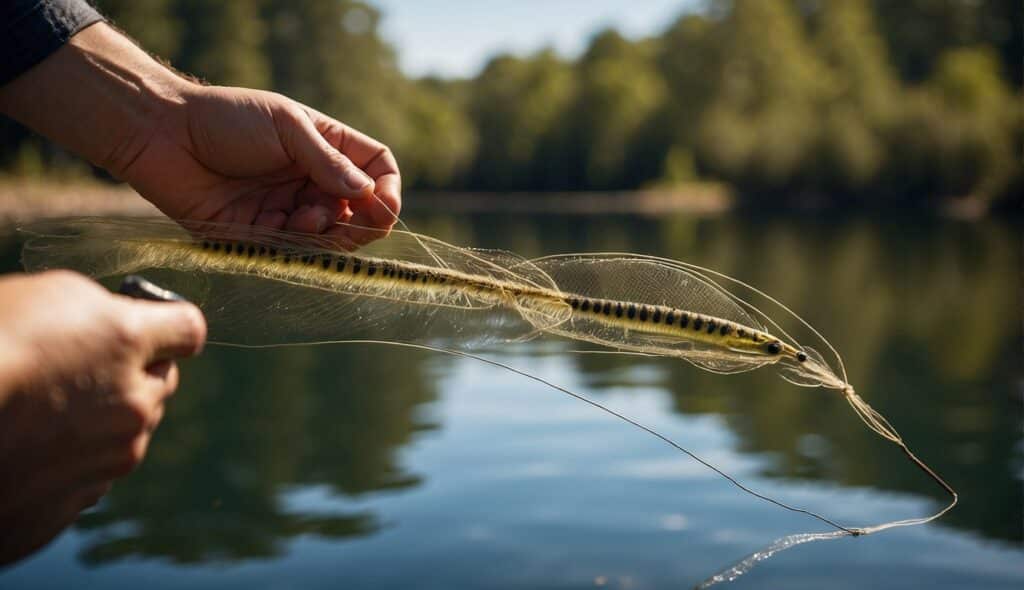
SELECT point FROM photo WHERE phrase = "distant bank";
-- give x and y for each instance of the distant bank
(22, 199)
(705, 198)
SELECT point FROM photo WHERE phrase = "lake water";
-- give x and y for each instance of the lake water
(358, 466)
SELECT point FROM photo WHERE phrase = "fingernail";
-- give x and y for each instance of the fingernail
(320, 219)
(355, 179)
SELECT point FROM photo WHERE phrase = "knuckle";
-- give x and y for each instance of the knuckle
(388, 156)
(332, 130)
(342, 162)
(292, 111)
(128, 332)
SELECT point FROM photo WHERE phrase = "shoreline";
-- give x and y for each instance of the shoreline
(27, 199)
(24, 200)
(698, 199)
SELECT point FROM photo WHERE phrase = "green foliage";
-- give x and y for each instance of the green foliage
(862, 103)
(960, 129)
(153, 23)
(833, 101)
(921, 31)
(756, 130)
(689, 59)
(519, 108)
(329, 54)
(620, 91)
(222, 42)
(437, 140)
(806, 101)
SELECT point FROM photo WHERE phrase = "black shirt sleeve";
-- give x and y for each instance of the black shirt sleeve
(30, 30)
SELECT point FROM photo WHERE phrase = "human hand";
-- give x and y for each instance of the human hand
(254, 157)
(83, 381)
(207, 153)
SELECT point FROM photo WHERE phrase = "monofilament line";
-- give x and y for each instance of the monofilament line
(672, 443)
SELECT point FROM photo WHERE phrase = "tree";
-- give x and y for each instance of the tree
(688, 59)
(863, 102)
(518, 107)
(438, 140)
(329, 54)
(620, 92)
(223, 42)
(153, 23)
(919, 31)
(759, 131)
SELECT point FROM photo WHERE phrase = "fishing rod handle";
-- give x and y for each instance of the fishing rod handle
(139, 288)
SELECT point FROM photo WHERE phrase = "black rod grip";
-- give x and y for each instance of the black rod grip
(139, 288)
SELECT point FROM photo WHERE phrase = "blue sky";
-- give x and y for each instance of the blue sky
(457, 37)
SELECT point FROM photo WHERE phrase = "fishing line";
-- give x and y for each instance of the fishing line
(568, 392)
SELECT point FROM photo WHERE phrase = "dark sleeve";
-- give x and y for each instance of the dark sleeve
(30, 30)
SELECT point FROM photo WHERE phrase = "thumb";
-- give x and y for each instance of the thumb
(169, 330)
(332, 172)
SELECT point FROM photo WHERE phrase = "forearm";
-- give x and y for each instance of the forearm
(199, 153)
(99, 95)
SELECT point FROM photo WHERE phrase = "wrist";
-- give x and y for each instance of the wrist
(142, 96)
(159, 106)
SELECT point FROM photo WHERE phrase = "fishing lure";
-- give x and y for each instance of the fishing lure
(413, 290)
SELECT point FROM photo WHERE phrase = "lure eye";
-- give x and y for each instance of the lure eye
(801, 356)
(774, 348)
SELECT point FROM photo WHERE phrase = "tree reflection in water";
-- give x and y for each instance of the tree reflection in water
(248, 425)
(924, 317)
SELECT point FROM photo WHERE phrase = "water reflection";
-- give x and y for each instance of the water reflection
(925, 315)
(249, 425)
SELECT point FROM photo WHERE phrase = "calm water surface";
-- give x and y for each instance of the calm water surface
(375, 467)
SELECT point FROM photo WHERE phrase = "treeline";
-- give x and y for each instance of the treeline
(849, 101)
